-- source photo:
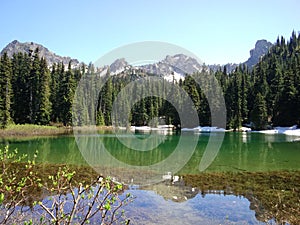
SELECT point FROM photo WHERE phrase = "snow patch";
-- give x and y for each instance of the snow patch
(204, 129)
(282, 130)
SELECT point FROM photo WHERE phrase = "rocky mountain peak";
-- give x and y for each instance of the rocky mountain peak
(27, 47)
(118, 66)
(183, 62)
(261, 48)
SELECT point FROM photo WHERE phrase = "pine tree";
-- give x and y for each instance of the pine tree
(237, 105)
(21, 64)
(66, 91)
(259, 114)
(107, 101)
(54, 90)
(5, 90)
(34, 84)
(100, 119)
(44, 107)
(287, 100)
(244, 95)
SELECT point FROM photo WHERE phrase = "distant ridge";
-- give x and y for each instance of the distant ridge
(27, 47)
(171, 67)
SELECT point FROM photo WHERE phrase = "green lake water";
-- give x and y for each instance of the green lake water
(239, 151)
(139, 158)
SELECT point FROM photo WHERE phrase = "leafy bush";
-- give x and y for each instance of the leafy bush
(69, 201)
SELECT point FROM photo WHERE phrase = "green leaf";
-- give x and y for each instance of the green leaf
(107, 206)
(1, 197)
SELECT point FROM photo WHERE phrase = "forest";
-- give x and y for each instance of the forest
(267, 95)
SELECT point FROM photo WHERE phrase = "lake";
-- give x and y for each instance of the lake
(251, 179)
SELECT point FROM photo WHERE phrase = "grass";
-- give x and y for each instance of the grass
(17, 130)
(33, 130)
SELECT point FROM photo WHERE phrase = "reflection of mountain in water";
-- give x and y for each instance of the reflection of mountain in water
(272, 195)
(176, 191)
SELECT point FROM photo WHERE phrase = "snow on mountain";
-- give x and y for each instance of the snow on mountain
(171, 67)
(174, 67)
(183, 62)
(118, 66)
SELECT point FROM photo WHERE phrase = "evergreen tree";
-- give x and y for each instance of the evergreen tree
(259, 114)
(20, 87)
(100, 119)
(44, 106)
(237, 102)
(106, 100)
(5, 90)
(286, 112)
(66, 91)
(244, 95)
(54, 91)
(34, 84)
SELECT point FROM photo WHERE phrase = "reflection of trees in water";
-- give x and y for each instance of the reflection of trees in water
(272, 195)
(137, 157)
(247, 152)
(62, 149)
(98, 150)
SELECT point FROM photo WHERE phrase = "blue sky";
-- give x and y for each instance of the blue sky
(216, 31)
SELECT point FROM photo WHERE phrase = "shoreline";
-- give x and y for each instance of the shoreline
(31, 130)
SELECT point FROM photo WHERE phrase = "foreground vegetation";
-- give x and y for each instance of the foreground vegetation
(58, 196)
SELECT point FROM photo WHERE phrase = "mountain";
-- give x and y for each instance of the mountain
(184, 63)
(172, 67)
(229, 67)
(118, 66)
(27, 47)
(261, 48)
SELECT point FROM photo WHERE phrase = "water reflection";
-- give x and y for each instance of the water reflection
(220, 198)
(206, 198)
(253, 179)
(150, 208)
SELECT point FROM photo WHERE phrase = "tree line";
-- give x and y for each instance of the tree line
(270, 93)
(32, 93)
(267, 95)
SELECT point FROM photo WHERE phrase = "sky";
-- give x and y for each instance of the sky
(218, 32)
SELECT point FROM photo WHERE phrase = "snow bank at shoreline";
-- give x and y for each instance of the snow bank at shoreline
(204, 129)
(277, 130)
(147, 128)
(281, 130)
